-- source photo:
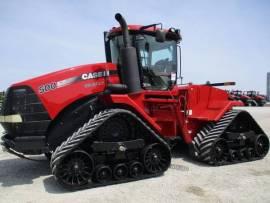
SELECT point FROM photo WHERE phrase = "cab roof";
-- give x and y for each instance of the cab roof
(137, 29)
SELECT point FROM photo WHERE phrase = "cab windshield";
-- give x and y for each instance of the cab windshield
(157, 60)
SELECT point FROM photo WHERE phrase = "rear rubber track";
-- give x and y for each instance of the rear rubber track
(204, 144)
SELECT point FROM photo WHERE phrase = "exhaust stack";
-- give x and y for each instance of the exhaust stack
(130, 68)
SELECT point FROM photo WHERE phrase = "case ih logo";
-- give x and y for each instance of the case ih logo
(85, 76)
(94, 75)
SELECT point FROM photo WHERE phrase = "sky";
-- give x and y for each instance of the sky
(222, 40)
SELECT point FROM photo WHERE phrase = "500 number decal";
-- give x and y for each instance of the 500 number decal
(47, 87)
(68, 81)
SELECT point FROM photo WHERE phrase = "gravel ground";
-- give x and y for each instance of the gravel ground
(186, 181)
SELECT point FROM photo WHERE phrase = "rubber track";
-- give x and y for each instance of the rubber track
(87, 131)
(206, 137)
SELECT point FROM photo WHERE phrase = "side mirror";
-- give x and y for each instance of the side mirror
(173, 77)
(172, 80)
(177, 31)
(160, 36)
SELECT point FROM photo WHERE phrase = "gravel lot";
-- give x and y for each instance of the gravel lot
(186, 181)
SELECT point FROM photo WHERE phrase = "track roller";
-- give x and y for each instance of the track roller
(232, 155)
(219, 152)
(103, 174)
(249, 153)
(120, 171)
(135, 169)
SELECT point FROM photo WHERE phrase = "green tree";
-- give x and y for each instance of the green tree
(1, 99)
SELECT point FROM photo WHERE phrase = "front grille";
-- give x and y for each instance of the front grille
(23, 101)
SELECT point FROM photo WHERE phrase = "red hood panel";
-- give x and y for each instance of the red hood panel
(65, 73)
(59, 89)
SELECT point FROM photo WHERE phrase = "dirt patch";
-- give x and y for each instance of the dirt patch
(260, 173)
(196, 191)
(179, 167)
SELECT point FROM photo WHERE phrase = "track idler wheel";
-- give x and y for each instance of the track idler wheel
(103, 174)
(156, 158)
(120, 171)
(135, 169)
(261, 145)
(75, 170)
(219, 152)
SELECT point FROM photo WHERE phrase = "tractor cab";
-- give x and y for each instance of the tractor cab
(156, 53)
(252, 93)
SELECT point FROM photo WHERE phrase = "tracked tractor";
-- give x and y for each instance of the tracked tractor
(242, 96)
(116, 121)
(259, 99)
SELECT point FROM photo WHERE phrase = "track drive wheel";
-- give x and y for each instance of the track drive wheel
(75, 170)
(219, 152)
(261, 145)
(156, 158)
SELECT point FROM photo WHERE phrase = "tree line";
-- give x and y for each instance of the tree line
(1, 99)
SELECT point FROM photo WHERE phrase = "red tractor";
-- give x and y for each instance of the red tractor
(113, 122)
(259, 99)
(239, 95)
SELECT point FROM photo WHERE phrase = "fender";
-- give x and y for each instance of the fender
(70, 119)
(208, 103)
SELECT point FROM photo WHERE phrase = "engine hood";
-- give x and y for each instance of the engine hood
(76, 71)
(260, 97)
(245, 97)
(58, 89)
